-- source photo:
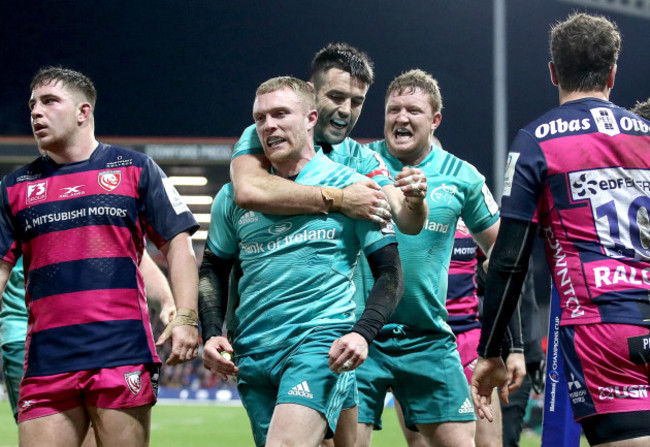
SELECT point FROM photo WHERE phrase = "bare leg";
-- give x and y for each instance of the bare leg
(58, 430)
(346, 429)
(449, 434)
(364, 435)
(128, 427)
(489, 434)
(296, 426)
(413, 438)
(636, 442)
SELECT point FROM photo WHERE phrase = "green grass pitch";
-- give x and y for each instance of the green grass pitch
(217, 426)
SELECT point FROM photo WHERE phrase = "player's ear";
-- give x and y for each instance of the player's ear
(312, 118)
(612, 76)
(84, 112)
(437, 119)
(551, 69)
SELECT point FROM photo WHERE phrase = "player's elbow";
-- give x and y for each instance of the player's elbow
(245, 197)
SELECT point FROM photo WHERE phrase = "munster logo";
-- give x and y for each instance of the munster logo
(109, 180)
(133, 381)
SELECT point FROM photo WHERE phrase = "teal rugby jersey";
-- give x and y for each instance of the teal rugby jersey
(13, 313)
(297, 270)
(455, 189)
(349, 153)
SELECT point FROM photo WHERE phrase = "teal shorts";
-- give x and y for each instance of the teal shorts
(13, 359)
(297, 375)
(425, 375)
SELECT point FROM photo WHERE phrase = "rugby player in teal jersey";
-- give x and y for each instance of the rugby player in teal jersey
(341, 75)
(295, 335)
(415, 354)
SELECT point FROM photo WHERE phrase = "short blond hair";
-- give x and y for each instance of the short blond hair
(302, 89)
(417, 79)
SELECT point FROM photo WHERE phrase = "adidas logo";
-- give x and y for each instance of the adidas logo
(466, 407)
(248, 217)
(302, 390)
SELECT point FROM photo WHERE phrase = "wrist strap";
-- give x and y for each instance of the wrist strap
(333, 198)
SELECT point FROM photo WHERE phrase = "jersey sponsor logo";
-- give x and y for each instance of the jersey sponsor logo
(623, 392)
(466, 407)
(248, 217)
(71, 191)
(109, 180)
(559, 126)
(443, 194)
(460, 251)
(175, 199)
(120, 161)
(604, 276)
(577, 391)
(280, 228)
(511, 164)
(302, 390)
(286, 240)
(634, 124)
(561, 272)
(436, 227)
(605, 121)
(620, 204)
(133, 381)
(36, 192)
(27, 178)
(489, 200)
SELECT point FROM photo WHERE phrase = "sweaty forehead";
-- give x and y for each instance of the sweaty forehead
(282, 98)
(337, 79)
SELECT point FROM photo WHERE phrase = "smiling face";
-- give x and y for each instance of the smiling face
(339, 101)
(55, 111)
(284, 123)
(409, 125)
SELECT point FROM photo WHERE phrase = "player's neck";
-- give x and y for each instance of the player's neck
(291, 168)
(79, 149)
(566, 96)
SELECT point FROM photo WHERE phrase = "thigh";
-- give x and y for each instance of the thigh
(296, 425)
(126, 427)
(62, 429)
(449, 434)
(374, 378)
(13, 359)
(258, 392)
(429, 381)
(602, 372)
(306, 379)
(489, 434)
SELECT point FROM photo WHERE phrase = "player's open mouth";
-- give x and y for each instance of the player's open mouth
(339, 124)
(38, 128)
(402, 133)
(272, 141)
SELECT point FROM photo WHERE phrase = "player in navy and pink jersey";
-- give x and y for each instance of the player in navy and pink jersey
(581, 173)
(79, 215)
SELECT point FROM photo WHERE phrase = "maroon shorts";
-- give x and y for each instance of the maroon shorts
(606, 368)
(468, 349)
(119, 387)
